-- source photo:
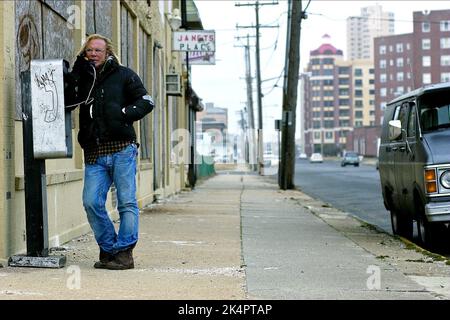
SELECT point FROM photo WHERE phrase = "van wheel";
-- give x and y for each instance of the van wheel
(430, 233)
(401, 225)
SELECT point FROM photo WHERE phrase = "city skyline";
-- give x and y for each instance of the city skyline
(227, 86)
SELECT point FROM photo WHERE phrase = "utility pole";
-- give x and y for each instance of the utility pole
(257, 5)
(287, 165)
(252, 151)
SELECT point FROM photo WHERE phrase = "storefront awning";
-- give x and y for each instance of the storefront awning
(195, 102)
(193, 17)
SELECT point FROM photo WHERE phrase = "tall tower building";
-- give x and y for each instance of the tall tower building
(361, 30)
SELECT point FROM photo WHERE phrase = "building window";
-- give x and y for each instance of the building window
(425, 26)
(400, 90)
(382, 50)
(344, 70)
(358, 103)
(316, 135)
(445, 43)
(399, 62)
(399, 47)
(328, 135)
(426, 61)
(382, 64)
(358, 114)
(426, 78)
(426, 44)
(343, 91)
(328, 124)
(358, 124)
(445, 60)
(358, 83)
(445, 77)
(445, 25)
(358, 93)
(344, 123)
(399, 76)
(383, 78)
(358, 72)
(383, 92)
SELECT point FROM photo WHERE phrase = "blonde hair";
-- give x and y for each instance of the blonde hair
(109, 45)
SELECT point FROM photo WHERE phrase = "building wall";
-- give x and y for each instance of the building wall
(363, 94)
(439, 30)
(57, 29)
(7, 101)
(424, 59)
(393, 63)
(364, 140)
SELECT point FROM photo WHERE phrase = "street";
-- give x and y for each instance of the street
(355, 190)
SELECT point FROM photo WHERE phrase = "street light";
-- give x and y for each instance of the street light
(174, 19)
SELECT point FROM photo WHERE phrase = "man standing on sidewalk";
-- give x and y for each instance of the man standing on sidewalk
(111, 97)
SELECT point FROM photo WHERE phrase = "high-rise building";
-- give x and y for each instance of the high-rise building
(327, 112)
(408, 61)
(361, 30)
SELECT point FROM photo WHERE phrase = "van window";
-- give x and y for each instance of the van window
(434, 110)
(412, 122)
(401, 113)
(435, 118)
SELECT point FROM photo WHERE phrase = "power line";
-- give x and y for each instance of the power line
(371, 18)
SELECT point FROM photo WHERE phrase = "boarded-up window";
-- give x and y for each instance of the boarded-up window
(42, 32)
(126, 36)
(144, 67)
(99, 17)
(156, 91)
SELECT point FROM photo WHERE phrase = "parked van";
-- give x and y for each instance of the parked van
(414, 162)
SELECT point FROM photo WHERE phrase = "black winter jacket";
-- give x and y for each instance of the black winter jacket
(116, 87)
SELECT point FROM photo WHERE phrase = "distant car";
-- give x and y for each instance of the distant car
(316, 158)
(270, 160)
(303, 156)
(351, 158)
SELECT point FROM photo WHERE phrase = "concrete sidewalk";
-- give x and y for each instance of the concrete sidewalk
(237, 236)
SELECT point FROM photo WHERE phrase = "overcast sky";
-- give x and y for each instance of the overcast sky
(224, 84)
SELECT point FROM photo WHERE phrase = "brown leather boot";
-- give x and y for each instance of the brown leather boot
(104, 258)
(122, 260)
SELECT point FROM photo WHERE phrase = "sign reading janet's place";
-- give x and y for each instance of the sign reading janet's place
(194, 40)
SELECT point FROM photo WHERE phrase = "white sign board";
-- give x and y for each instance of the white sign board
(194, 40)
(196, 57)
(47, 105)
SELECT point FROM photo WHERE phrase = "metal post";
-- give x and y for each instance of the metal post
(35, 195)
(259, 97)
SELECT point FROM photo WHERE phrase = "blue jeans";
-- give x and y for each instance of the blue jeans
(119, 168)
